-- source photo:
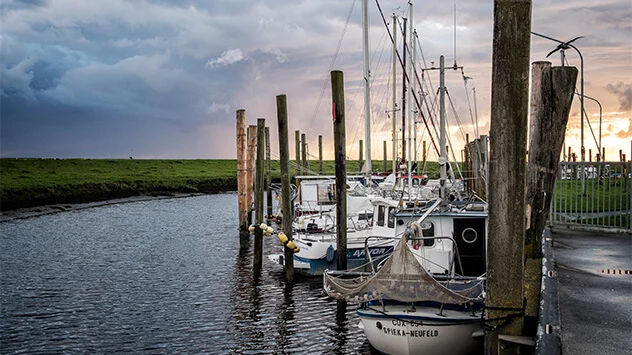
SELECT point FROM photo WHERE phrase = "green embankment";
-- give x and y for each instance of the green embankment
(38, 182)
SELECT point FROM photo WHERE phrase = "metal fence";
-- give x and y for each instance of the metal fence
(593, 196)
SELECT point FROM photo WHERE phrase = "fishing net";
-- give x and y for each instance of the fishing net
(402, 278)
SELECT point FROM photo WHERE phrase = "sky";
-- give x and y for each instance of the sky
(163, 79)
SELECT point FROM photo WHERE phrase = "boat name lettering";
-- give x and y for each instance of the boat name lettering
(359, 253)
(411, 333)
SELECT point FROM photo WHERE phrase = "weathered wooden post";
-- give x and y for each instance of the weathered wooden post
(250, 166)
(508, 131)
(304, 168)
(385, 167)
(320, 155)
(297, 144)
(536, 79)
(338, 109)
(360, 156)
(545, 144)
(590, 155)
(286, 206)
(424, 154)
(259, 184)
(242, 178)
(268, 175)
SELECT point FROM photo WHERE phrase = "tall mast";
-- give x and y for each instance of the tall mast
(443, 161)
(394, 94)
(404, 95)
(410, 102)
(367, 89)
(413, 89)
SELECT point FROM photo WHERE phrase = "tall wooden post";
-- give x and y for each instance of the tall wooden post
(338, 98)
(590, 155)
(286, 206)
(536, 79)
(508, 131)
(603, 154)
(250, 166)
(320, 155)
(545, 144)
(268, 175)
(242, 178)
(385, 167)
(259, 184)
(304, 154)
(360, 156)
(297, 144)
(424, 154)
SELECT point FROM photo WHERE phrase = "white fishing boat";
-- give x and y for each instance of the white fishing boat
(427, 297)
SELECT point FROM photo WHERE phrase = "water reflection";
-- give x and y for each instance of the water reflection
(161, 276)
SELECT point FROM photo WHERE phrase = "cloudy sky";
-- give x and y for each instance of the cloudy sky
(163, 79)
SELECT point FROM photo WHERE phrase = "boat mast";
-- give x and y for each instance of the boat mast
(404, 94)
(409, 71)
(394, 94)
(443, 154)
(367, 90)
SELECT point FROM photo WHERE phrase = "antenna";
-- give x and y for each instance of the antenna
(455, 35)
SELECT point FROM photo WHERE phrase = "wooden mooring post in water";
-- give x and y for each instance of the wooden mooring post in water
(360, 155)
(556, 88)
(259, 184)
(320, 155)
(268, 176)
(508, 133)
(242, 178)
(304, 168)
(297, 144)
(286, 207)
(338, 110)
(250, 166)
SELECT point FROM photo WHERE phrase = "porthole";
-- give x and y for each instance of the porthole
(469, 235)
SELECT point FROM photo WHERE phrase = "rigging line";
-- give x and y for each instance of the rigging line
(434, 144)
(331, 66)
(456, 116)
(469, 105)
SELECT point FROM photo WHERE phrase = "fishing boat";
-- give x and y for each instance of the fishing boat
(428, 296)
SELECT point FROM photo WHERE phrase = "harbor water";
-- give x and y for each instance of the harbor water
(158, 276)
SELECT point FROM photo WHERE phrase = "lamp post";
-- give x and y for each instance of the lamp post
(561, 47)
(600, 115)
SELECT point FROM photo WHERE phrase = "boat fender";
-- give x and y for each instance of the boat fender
(251, 229)
(270, 230)
(283, 238)
(330, 254)
(263, 226)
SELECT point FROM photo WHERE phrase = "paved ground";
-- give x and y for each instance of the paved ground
(595, 307)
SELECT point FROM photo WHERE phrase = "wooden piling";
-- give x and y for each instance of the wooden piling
(508, 131)
(536, 79)
(242, 178)
(360, 156)
(297, 144)
(250, 166)
(338, 110)
(545, 145)
(304, 167)
(268, 175)
(385, 167)
(338, 99)
(320, 155)
(259, 184)
(286, 207)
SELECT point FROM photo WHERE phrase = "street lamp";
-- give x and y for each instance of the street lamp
(600, 114)
(561, 47)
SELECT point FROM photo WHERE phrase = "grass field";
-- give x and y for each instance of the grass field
(38, 182)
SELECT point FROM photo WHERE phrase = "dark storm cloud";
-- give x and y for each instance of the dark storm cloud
(624, 93)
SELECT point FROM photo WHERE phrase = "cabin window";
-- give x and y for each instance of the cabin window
(391, 217)
(326, 194)
(428, 231)
(380, 215)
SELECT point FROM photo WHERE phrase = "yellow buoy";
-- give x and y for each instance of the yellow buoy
(291, 245)
(270, 230)
(297, 249)
(251, 228)
(282, 238)
(263, 226)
